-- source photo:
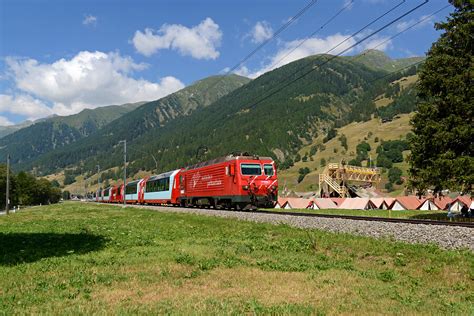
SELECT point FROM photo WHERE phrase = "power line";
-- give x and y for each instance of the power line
(254, 51)
(313, 34)
(281, 29)
(346, 39)
(342, 52)
(406, 29)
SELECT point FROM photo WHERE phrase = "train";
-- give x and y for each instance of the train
(236, 181)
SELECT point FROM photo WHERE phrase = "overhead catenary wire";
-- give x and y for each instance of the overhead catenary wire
(349, 37)
(342, 52)
(343, 41)
(313, 34)
(406, 29)
(255, 50)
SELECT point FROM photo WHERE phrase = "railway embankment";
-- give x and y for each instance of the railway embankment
(447, 237)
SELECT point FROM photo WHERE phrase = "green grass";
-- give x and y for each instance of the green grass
(410, 214)
(80, 259)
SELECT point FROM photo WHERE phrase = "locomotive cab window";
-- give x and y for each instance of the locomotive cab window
(251, 169)
(268, 168)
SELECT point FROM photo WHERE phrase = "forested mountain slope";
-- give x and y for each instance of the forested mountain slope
(148, 116)
(48, 134)
(250, 118)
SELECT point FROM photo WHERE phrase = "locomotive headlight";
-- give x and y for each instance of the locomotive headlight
(245, 187)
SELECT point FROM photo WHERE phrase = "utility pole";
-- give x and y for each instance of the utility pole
(98, 183)
(124, 171)
(7, 199)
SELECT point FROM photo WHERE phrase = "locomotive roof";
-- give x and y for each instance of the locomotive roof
(161, 176)
(223, 159)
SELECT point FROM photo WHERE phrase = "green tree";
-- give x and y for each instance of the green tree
(442, 147)
(343, 140)
(394, 175)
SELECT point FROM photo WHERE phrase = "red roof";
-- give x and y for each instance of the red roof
(281, 201)
(323, 203)
(356, 204)
(298, 202)
(338, 201)
(442, 202)
(389, 201)
(409, 202)
(465, 199)
(378, 202)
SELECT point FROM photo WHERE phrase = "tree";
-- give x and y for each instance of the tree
(323, 162)
(394, 175)
(442, 147)
(343, 140)
(66, 195)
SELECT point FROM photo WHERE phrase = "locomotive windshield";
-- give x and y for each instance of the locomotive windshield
(251, 169)
(268, 168)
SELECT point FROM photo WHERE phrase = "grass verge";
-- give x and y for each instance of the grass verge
(82, 258)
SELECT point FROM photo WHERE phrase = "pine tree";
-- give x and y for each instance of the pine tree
(442, 146)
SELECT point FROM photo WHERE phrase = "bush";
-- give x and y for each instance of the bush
(394, 175)
(355, 162)
(331, 134)
(389, 186)
(323, 162)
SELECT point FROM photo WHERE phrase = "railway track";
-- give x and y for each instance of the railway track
(355, 217)
(371, 218)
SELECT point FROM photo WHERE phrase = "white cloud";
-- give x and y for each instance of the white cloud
(200, 41)
(5, 122)
(89, 20)
(24, 105)
(424, 20)
(300, 48)
(88, 80)
(261, 32)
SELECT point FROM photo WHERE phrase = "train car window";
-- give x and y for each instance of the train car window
(251, 169)
(158, 185)
(268, 168)
(106, 193)
(131, 189)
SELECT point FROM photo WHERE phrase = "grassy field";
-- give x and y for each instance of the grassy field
(76, 258)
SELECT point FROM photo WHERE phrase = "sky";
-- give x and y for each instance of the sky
(59, 57)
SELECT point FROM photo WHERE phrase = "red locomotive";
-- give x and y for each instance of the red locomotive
(240, 181)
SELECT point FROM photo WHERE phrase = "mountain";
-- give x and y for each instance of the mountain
(36, 138)
(264, 116)
(378, 60)
(102, 128)
(7, 130)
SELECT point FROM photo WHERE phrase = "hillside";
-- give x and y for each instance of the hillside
(147, 117)
(378, 60)
(55, 132)
(279, 125)
(373, 132)
(7, 130)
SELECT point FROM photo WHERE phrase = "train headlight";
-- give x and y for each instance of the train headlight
(245, 187)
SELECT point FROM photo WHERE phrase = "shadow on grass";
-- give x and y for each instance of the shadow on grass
(17, 248)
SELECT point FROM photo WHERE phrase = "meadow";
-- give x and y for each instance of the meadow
(77, 258)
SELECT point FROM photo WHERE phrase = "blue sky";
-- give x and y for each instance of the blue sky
(59, 57)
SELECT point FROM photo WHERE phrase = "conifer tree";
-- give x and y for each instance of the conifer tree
(442, 147)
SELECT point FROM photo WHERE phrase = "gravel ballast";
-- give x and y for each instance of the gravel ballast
(447, 237)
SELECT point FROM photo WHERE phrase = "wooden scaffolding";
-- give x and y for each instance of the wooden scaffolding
(336, 176)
